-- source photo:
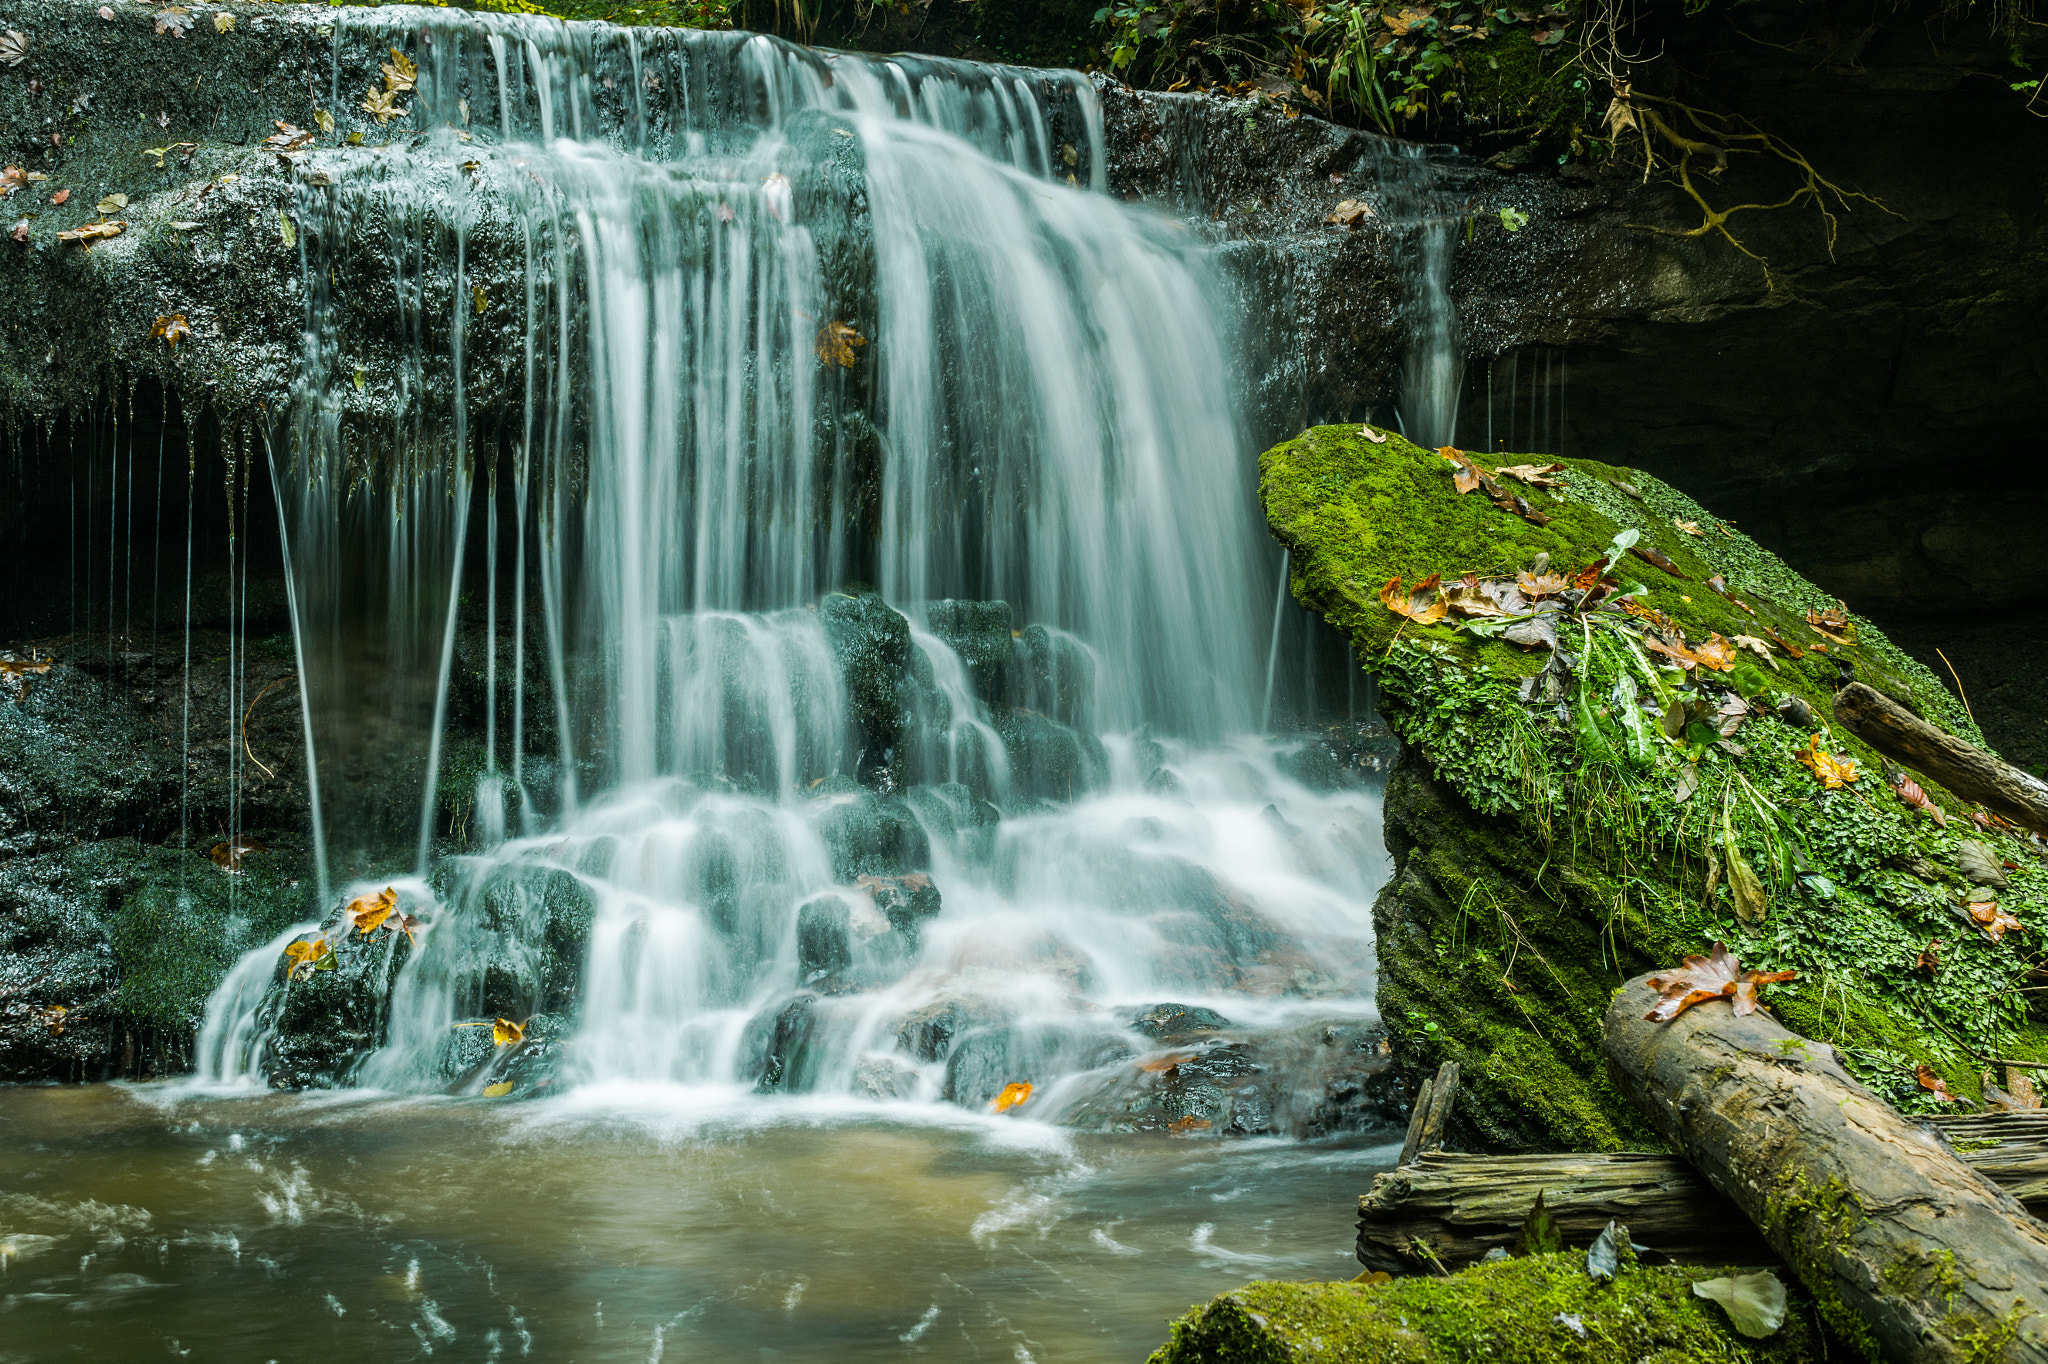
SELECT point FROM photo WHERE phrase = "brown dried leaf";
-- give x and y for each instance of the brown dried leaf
(399, 73)
(1538, 585)
(1535, 475)
(1423, 605)
(1933, 1083)
(1911, 793)
(1994, 920)
(1466, 476)
(13, 47)
(1658, 558)
(382, 105)
(1689, 527)
(1350, 213)
(1705, 978)
(1755, 646)
(92, 232)
(1928, 960)
(174, 20)
(229, 855)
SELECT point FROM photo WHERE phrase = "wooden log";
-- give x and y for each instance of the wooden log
(1442, 1095)
(1417, 1120)
(1451, 1209)
(1969, 771)
(1909, 1253)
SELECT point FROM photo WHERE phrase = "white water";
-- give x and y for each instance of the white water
(1042, 415)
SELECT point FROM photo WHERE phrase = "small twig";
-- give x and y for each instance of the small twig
(251, 711)
(1959, 687)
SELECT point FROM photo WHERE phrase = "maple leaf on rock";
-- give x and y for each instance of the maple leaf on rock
(836, 341)
(1424, 605)
(1704, 978)
(1830, 771)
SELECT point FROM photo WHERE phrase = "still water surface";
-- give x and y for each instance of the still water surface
(144, 1222)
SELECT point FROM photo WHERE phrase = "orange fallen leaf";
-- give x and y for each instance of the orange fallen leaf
(1705, 978)
(1783, 643)
(1830, 771)
(1714, 653)
(172, 329)
(307, 956)
(836, 341)
(1933, 1083)
(1995, 920)
(1465, 476)
(1190, 1123)
(1649, 613)
(1424, 604)
(367, 913)
(60, 196)
(1545, 584)
(1013, 1095)
(228, 855)
(1154, 1065)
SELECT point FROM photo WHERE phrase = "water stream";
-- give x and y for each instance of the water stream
(833, 511)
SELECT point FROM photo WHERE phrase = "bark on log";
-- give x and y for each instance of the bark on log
(1452, 1208)
(1962, 767)
(1910, 1253)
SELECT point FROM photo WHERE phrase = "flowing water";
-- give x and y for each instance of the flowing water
(836, 510)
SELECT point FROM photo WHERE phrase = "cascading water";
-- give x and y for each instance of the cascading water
(785, 325)
(1433, 365)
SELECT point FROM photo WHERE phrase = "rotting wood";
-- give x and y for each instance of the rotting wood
(1432, 1112)
(1417, 1120)
(1457, 1207)
(1971, 772)
(1910, 1254)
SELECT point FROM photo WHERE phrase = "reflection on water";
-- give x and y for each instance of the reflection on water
(627, 1224)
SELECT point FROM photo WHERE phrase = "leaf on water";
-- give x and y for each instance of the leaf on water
(113, 203)
(92, 232)
(1535, 475)
(1423, 605)
(381, 105)
(1376, 437)
(366, 913)
(399, 72)
(223, 22)
(1190, 1123)
(1705, 978)
(1012, 1096)
(1603, 1257)
(307, 955)
(230, 854)
(1910, 792)
(1350, 213)
(14, 46)
(1757, 647)
(1933, 1083)
(498, 1090)
(506, 1033)
(836, 341)
(174, 20)
(1689, 527)
(1755, 1303)
(1165, 1061)
(1540, 1234)
(1829, 770)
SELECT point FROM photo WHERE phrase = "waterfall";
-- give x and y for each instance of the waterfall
(886, 617)
(1433, 364)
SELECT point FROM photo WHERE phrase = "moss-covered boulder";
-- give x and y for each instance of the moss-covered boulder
(1539, 1310)
(1566, 817)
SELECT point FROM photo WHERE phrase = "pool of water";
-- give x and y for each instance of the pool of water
(642, 1224)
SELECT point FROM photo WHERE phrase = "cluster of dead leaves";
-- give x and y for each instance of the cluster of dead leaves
(366, 914)
(399, 76)
(1468, 476)
(1833, 624)
(836, 342)
(1013, 1096)
(288, 143)
(1703, 978)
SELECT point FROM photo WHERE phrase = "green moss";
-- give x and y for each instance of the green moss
(1815, 1224)
(1510, 1311)
(1553, 846)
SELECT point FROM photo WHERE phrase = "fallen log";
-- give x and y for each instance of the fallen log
(1910, 1254)
(1450, 1209)
(1969, 771)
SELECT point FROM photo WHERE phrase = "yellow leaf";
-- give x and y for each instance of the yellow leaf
(306, 955)
(498, 1090)
(323, 120)
(368, 912)
(381, 105)
(113, 203)
(1832, 772)
(174, 329)
(836, 341)
(1012, 1096)
(223, 22)
(506, 1033)
(399, 72)
(478, 297)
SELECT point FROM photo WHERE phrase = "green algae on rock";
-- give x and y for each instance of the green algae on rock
(1548, 848)
(1544, 1308)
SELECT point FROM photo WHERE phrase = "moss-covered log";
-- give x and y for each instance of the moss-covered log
(1909, 1253)
(1564, 819)
(1538, 1310)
